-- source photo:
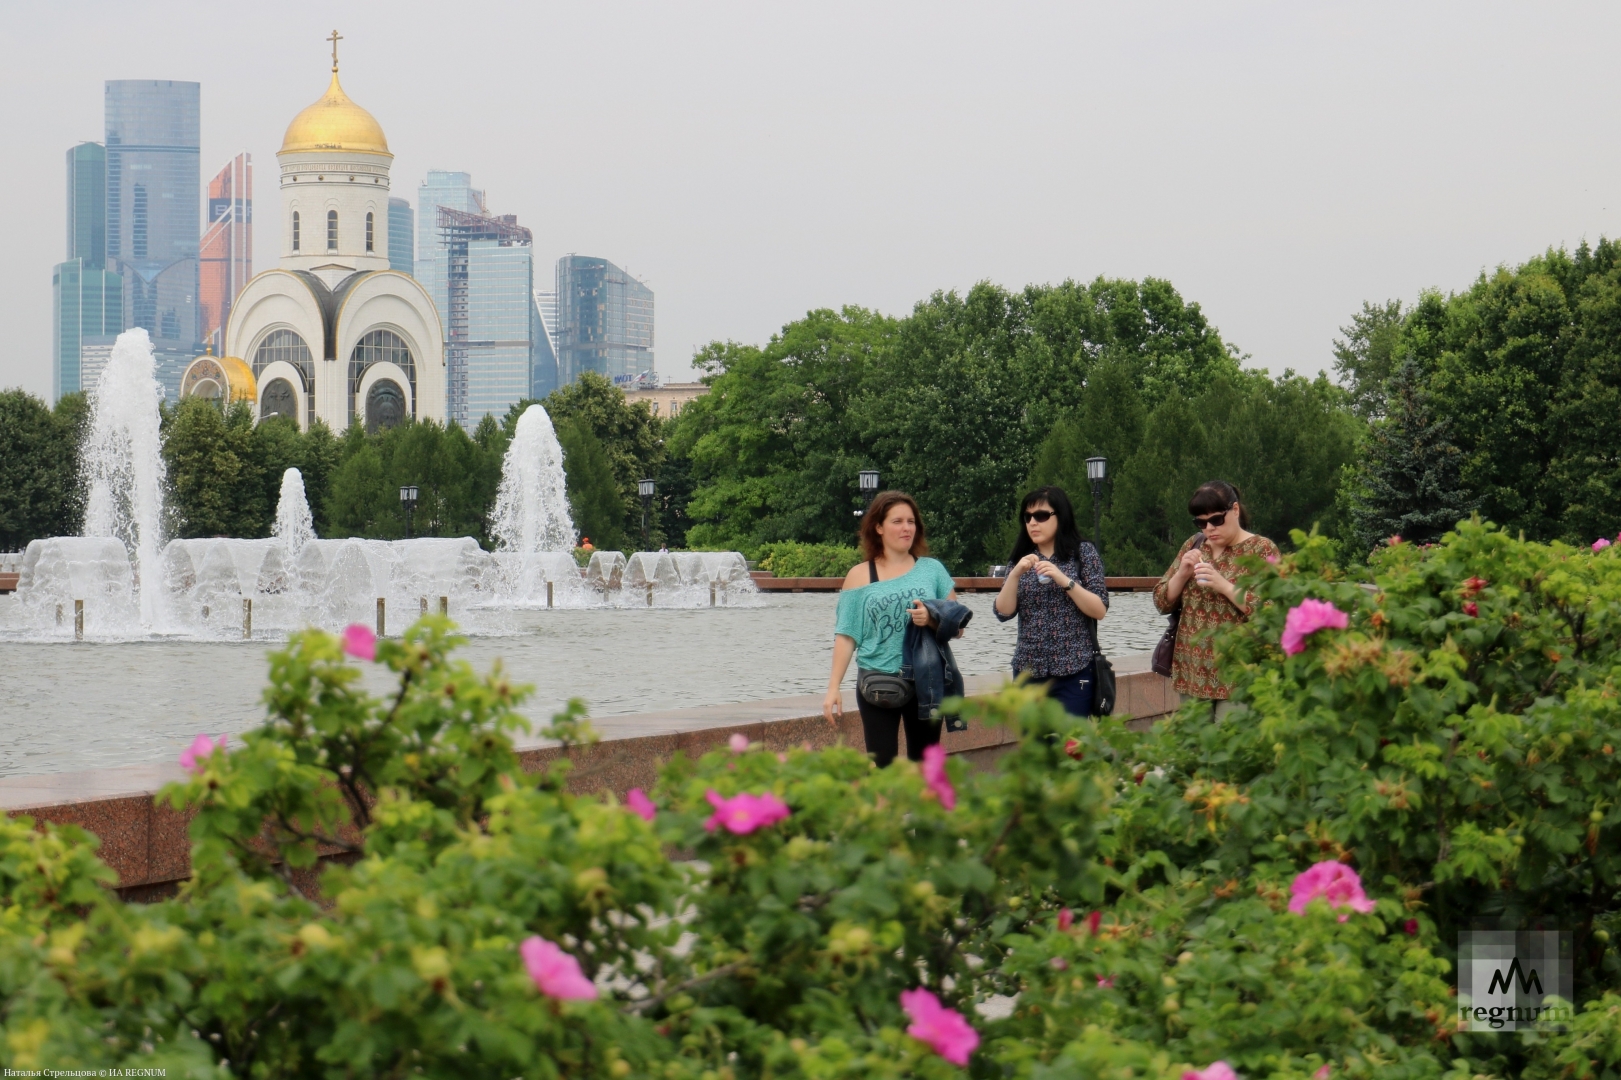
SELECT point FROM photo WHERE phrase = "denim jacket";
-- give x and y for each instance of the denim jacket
(926, 656)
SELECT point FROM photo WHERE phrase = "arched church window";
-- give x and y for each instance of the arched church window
(287, 346)
(385, 405)
(378, 346)
(295, 230)
(332, 230)
(278, 399)
(368, 231)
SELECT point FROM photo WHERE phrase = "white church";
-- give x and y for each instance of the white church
(333, 332)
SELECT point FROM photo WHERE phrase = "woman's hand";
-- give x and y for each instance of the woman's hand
(1208, 576)
(1192, 559)
(833, 705)
(920, 614)
(1024, 566)
(1045, 569)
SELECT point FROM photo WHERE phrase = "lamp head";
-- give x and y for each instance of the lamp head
(645, 488)
(869, 480)
(1096, 468)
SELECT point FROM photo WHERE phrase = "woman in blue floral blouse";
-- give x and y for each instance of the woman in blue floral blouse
(1055, 586)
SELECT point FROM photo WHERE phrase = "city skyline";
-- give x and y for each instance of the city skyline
(1226, 148)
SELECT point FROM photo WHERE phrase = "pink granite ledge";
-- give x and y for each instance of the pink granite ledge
(149, 845)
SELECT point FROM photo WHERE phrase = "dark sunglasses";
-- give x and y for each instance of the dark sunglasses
(1037, 515)
(1216, 520)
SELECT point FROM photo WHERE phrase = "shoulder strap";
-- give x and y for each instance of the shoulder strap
(872, 568)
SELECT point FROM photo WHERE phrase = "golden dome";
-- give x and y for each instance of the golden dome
(335, 123)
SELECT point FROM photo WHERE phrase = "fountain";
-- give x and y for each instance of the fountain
(133, 586)
(295, 526)
(122, 462)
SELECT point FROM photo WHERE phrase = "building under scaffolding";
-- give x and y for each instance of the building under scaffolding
(491, 323)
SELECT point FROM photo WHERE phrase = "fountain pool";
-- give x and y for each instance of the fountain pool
(66, 706)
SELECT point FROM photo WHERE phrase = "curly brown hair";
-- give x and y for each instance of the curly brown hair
(871, 543)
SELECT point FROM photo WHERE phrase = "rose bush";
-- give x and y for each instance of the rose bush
(1273, 896)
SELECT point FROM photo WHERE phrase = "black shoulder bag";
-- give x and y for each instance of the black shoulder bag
(1102, 678)
(1165, 651)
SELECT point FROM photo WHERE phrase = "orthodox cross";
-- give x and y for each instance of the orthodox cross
(335, 38)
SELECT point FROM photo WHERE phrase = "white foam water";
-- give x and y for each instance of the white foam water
(122, 462)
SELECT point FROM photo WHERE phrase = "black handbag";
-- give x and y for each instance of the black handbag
(1102, 678)
(1165, 651)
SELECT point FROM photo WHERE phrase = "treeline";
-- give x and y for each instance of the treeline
(1504, 399)
(225, 471)
(971, 400)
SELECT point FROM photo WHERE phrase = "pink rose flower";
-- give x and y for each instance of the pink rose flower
(934, 775)
(1411, 927)
(1393, 541)
(360, 642)
(1271, 558)
(1105, 983)
(1306, 619)
(1059, 963)
(1218, 1070)
(556, 973)
(743, 813)
(1600, 544)
(943, 1029)
(637, 802)
(1322, 1073)
(1471, 609)
(1093, 921)
(191, 758)
(1066, 919)
(738, 743)
(1334, 882)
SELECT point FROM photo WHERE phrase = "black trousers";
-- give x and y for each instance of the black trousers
(883, 731)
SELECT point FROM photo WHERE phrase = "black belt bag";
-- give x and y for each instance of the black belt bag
(884, 690)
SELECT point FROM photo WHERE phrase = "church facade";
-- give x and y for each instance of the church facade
(333, 333)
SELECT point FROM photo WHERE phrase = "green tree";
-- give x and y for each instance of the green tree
(39, 468)
(1408, 482)
(322, 453)
(1366, 358)
(216, 487)
(593, 490)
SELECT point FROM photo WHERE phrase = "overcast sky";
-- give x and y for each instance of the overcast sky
(1278, 162)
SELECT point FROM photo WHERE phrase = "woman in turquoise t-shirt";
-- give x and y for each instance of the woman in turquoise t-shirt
(881, 597)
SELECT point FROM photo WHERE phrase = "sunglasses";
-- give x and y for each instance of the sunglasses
(1037, 515)
(1213, 521)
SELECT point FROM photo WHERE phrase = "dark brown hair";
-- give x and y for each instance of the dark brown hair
(1214, 496)
(871, 543)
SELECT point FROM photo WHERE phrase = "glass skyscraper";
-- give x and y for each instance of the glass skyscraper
(492, 324)
(545, 378)
(604, 320)
(401, 242)
(87, 300)
(455, 191)
(153, 188)
(226, 254)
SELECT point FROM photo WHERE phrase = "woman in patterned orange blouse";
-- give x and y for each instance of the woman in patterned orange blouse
(1204, 581)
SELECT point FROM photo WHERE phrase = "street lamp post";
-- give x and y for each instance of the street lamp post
(408, 499)
(644, 488)
(869, 487)
(1097, 469)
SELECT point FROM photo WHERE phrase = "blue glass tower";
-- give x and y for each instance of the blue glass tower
(87, 300)
(154, 212)
(401, 237)
(604, 320)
